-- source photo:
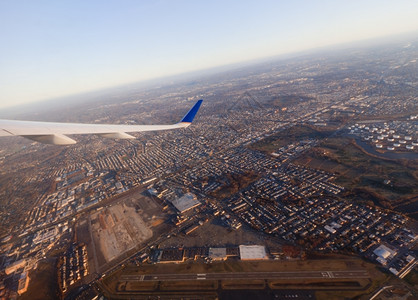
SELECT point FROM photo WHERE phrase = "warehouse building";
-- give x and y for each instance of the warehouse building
(252, 252)
(186, 202)
(217, 253)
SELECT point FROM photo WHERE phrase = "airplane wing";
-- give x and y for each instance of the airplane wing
(55, 133)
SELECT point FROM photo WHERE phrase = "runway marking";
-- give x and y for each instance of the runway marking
(250, 275)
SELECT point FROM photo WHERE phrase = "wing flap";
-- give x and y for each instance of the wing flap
(5, 133)
(54, 139)
(117, 135)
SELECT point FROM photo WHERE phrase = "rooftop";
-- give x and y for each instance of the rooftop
(252, 252)
(186, 202)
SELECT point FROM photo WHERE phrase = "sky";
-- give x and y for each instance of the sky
(52, 48)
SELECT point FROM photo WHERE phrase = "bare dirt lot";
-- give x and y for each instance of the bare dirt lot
(114, 230)
(213, 233)
(117, 229)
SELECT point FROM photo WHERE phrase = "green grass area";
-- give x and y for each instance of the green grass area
(283, 101)
(43, 282)
(363, 175)
(342, 284)
(412, 278)
(132, 286)
(236, 182)
(391, 117)
(115, 286)
(244, 266)
(189, 285)
(288, 136)
(377, 280)
(243, 284)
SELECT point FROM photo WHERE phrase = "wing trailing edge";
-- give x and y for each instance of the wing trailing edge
(54, 139)
(55, 133)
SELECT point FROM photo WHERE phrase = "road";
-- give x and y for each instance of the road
(355, 274)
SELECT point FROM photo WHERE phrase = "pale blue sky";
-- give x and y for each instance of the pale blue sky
(56, 48)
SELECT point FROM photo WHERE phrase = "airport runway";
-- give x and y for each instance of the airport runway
(249, 275)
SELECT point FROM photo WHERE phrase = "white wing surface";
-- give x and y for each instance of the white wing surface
(55, 133)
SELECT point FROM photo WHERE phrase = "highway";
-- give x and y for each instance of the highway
(249, 275)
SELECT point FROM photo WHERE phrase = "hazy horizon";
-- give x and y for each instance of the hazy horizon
(64, 48)
(90, 95)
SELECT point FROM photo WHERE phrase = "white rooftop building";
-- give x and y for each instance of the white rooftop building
(186, 202)
(217, 253)
(253, 252)
(384, 252)
(330, 229)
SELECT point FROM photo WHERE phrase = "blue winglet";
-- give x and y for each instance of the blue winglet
(188, 118)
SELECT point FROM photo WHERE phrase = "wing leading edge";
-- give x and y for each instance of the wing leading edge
(55, 133)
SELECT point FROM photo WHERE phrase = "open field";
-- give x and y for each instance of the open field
(236, 182)
(412, 278)
(43, 282)
(185, 285)
(132, 286)
(220, 236)
(283, 101)
(290, 135)
(355, 276)
(364, 175)
(243, 284)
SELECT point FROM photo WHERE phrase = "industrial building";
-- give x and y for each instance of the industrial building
(217, 253)
(19, 264)
(383, 253)
(253, 252)
(23, 283)
(186, 202)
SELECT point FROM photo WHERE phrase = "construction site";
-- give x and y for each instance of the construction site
(113, 231)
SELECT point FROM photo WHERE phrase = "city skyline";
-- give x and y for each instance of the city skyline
(58, 49)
